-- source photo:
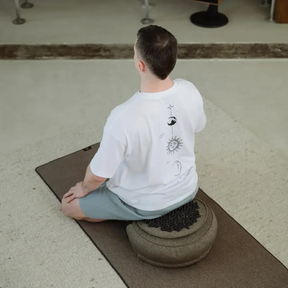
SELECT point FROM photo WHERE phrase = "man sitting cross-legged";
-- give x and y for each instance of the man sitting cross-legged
(147, 148)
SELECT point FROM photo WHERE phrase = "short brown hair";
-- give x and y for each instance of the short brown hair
(158, 48)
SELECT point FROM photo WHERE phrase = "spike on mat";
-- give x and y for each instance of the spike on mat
(176, 220)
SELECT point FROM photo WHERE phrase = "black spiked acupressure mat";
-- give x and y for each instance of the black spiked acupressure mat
(235, 260)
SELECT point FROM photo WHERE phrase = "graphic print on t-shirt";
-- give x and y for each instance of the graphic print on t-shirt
(178, 166)
(174, 143)
(172, 120)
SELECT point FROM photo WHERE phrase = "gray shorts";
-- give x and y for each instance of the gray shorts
(106, 205)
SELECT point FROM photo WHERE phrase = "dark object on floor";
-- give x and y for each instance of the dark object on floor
(18, 20)
(190, 243)
(210, 18)
(27, 5)
(236, 260)
(281, 11)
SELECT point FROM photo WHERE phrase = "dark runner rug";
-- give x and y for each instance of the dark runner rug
(125, 51)
(235, 260)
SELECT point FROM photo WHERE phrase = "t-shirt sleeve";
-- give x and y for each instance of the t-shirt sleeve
(108, 157)
(201, 123)
(202, 118)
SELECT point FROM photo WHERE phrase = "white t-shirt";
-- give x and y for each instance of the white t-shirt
(147, 149)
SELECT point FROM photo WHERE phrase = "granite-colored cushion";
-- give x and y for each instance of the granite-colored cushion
(175, 249)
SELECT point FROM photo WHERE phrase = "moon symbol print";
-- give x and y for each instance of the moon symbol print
(178, 166)
(172, 121)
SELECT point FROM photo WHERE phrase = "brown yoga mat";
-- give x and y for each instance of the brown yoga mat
(235, 260)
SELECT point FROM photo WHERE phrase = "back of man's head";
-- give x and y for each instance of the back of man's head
(158, 49)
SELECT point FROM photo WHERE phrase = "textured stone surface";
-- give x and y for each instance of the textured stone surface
(175, 249)
(125, 51)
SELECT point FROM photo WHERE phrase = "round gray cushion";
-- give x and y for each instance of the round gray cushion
(175, 249)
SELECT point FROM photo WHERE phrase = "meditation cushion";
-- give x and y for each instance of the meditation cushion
(180, 238)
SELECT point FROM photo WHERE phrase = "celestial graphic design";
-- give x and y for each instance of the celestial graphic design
(172, 121)
(174, 145)
(161, 136)
(178, 166)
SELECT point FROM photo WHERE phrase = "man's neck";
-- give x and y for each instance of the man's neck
(155, 85)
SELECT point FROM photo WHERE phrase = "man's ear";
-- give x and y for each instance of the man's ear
(141, 66)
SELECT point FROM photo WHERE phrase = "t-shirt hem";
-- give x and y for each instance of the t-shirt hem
(160, 207)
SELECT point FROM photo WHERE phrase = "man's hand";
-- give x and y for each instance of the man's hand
(75, 192)
(91, 182)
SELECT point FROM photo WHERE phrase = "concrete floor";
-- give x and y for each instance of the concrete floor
(51, 108)
(39, 97)
(62, 21)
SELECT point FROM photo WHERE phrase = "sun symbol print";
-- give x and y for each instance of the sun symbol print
(174, 145)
